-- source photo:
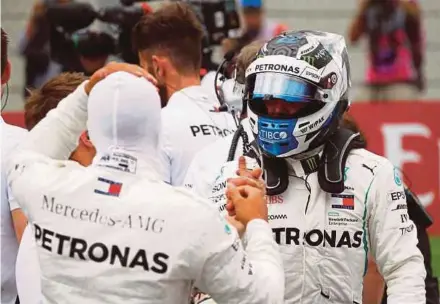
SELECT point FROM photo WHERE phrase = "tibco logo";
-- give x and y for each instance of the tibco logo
(272, 135)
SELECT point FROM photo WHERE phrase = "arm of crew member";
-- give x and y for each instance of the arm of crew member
(31, 169)
(56, 136)
(393, 238)
(232, 275)
(357, 27)
(197, 179)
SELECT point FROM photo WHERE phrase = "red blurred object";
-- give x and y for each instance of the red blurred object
(146, 8)
(14, 118)
(406, 133)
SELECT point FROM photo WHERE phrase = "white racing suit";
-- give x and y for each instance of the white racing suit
(115, 233)
(325, 238)
(188, 125)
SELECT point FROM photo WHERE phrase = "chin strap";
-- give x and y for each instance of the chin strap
(275, 174)
(332, 164)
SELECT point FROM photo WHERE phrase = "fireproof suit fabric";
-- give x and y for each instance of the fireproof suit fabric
(114, 231)
(207, 161)
(188, 125)
(325, 238)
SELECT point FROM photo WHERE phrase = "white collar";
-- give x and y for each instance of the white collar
(195, 93)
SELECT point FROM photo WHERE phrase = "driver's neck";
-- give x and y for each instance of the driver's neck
(176, 82)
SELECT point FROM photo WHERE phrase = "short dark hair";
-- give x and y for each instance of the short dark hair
(244, 59)
(4, 50)
(174, 30)
(46, 98)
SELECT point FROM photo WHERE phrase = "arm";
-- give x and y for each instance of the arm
(18, 218)
(199, 178)
(393, 238)
(357, 27)
(373, 284)
(56, 136)
(415, 36)
(20, 222)
(232, 275)
(31, 170)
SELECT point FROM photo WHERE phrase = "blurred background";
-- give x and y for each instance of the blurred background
(328, 15)
(394, 47)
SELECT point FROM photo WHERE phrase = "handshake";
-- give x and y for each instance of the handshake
(246, 197)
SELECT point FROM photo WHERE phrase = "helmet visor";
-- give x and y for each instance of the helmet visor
(290, 88)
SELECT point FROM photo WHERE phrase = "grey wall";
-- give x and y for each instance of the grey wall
(328, 15)
(336, 16)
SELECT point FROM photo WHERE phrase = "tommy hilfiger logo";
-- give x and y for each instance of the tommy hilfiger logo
(111, 188)
(343, 201)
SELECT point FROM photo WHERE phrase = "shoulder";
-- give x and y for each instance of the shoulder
(53, 171)
(363, 160)
(215, 154)
(364, 167)
(11, 136)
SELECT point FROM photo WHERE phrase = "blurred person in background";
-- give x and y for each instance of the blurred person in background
(11, 216)
(49, 48)
(34, 46)
(393, 29)
(374, 285)
(169, 43)
(256, 26)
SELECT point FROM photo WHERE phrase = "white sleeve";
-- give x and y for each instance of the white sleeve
(27, 270)
(232, 275)
(198, 178)
(13, 204)
(56, 136)
(34, 166)
(393, 238)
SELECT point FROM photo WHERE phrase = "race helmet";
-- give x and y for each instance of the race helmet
(297, 91)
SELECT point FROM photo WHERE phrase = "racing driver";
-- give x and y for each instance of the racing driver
(330, 201)
(114, 232)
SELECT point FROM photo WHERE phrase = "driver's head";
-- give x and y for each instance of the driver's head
(5, 64)
(297, 90)
(169, 45)
(124, 114)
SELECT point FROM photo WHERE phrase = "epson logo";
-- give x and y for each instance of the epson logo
(273, 135)
(277, 68)
(313, 75)
(315, 237)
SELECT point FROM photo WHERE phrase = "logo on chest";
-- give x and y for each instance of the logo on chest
(342, 201)
(316, 237)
